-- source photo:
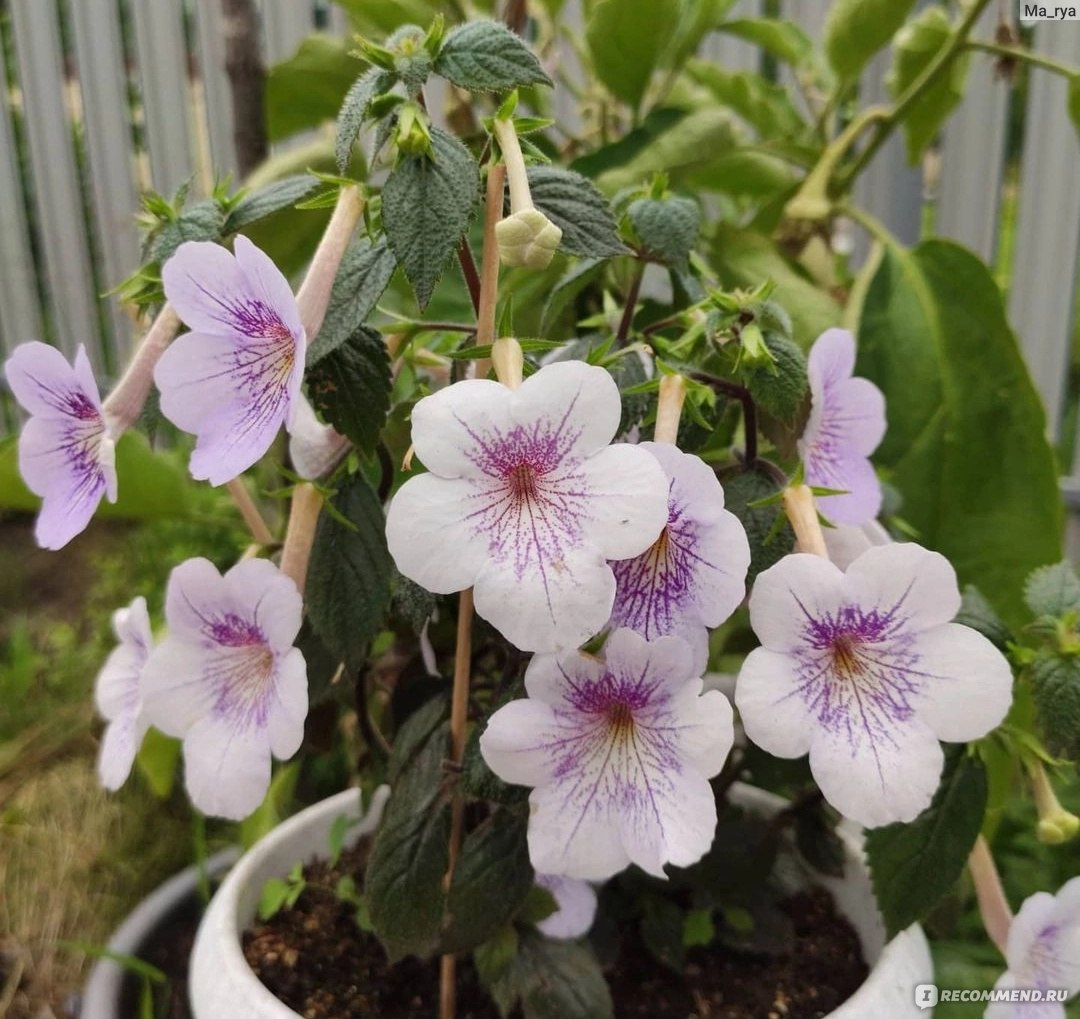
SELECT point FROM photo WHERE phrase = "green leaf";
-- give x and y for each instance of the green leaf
(492, 880)
(273, 897)
(403, 883)
(573, 203)
(698, 928)
(782, 39)
(914, 865)
(696, 20)
(577, 278)
(668, 227)
(157, 760)
(308, 88)
(767, 529)
(412, 602)
(978, 613)
(427, 204)
(916, 45)
(362, 278)
(485, 56)
(553, 980)
(625, 39)
(662, 923)
(1053, 590)
(282, 194)
(203, 221)
(348, 579)
(780, 389)
(817, 841)
(354, 109)
(350, 387)
(745, 173)
(1055, 685)
(929, 316)
(380, 18)
(495, 957)
(856, 29)
(765, 106)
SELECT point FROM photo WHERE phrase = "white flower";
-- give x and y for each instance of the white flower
(118, 694)
(228, 681)
(619, 753)
(1043, 953)
(576, 900)
(526, 501)
(865, 671)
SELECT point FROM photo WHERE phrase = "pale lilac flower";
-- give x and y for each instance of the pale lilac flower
(234, 380)
(526, 501)
(66, 450)
(314, 448)
(619, 753)
(845, 543)
(865, 671)
(694, 575)
(228, 681)
(846, 424)
(576, 900)
(1043, 954)
(118, 694)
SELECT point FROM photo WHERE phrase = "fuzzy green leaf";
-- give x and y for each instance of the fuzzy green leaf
(767, 529)
(280, 195)
(668, 227)
(625, 39)
(780, 389)
(576, 207)
(485, 56)
(203, 221)
(362, 277)
(1055, 684)
(426, 205)
(916, 45)
(348, 578)
(371, 83)
(856, 29)
(1053, 590)
(914, 865)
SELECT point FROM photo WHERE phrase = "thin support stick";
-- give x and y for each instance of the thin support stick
(250, 512)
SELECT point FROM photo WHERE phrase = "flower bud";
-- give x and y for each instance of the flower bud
(1056, 824)
(527, 238)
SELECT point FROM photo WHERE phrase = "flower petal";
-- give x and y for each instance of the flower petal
(708, 738)
(120, 743)
(905, 576)
(287, 712)
(846, 543)
(452, 428)
(117, 687)
(577, 907)
(970, 690)
(268, 283)
(832, 357)
(516, 742)
(431, 535)
(268, 599)
(47, 386)
(860, 502)
(875, 772)
(176, 693)
(772, 706)
(314, 448)
(226, 770)
(580, 843)
(786, 596)
(196, 592)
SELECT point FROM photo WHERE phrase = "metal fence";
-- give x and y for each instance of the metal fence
(105, 98)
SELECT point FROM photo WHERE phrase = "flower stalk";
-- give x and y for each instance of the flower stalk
(1056, 824)
(313, 298)
(669, 408)
(801, 511)
(258, 527)
(300, 534)
(993, 906)
(125, 403)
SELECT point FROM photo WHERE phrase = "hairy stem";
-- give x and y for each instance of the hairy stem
(627, 319)
(250, 512)
(669, 408)
(125, 403)
(300, 534)
(468, 270)
(733, 391)
(993, 906)
(1026, 55)
(801, 511)
(488, 278)
(314, 294)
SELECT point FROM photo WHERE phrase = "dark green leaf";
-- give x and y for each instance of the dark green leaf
(485, 56)
(914, 865)
(350, 387)
(767, 529)
(414, 734)
(577, 278)
(362, 277)
(371, 83)
(817, 841)
(492, 879)
(662, 923)
(308, 88)
(626, 39)
(929, 315)
(348, 579)
(427, 204)
(916, 45)
(978, 613)
(553, 980)
(282, 194)
(203, 221)
(781, 389)
(495, 957)
(1055, 684)
(574, 204)
(737, 864)
(668, 227)
(698, 928)
(856, 29)
(412, 602)
(1053, 590)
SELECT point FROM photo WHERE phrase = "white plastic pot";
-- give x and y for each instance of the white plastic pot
(223, 986)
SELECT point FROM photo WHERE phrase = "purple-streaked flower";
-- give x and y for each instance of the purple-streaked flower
(234, 380)
(619, 752)
(118, 694)
(526, 501)
(66, 450)
(228, 681)
(865, 671)
(694, 575)
(1043, 954)
(846, 423)
(576, 900)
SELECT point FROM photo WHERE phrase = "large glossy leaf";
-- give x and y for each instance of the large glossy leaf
(626, 38)
(966, 441)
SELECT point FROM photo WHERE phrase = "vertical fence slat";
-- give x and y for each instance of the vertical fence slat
(20, 316)
(159, 37)
(216, 95)
(338, 21)
(1048, 225)
(100, 54)
(730, 52)
(809, 15)
(72, 301)
(287, 23)
(973, 156)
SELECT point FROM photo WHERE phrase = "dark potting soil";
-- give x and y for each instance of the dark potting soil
(316, 959)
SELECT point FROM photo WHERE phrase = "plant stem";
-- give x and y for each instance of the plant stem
(250, 512)
(733, 391)
(314, 294)
(468, 270)
(993, 906)
(627, 319)
(1026, 55)
(488, 278)
(669, 408)
(913, 93)
(300, 534)
(125, 403)
(801, 511)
